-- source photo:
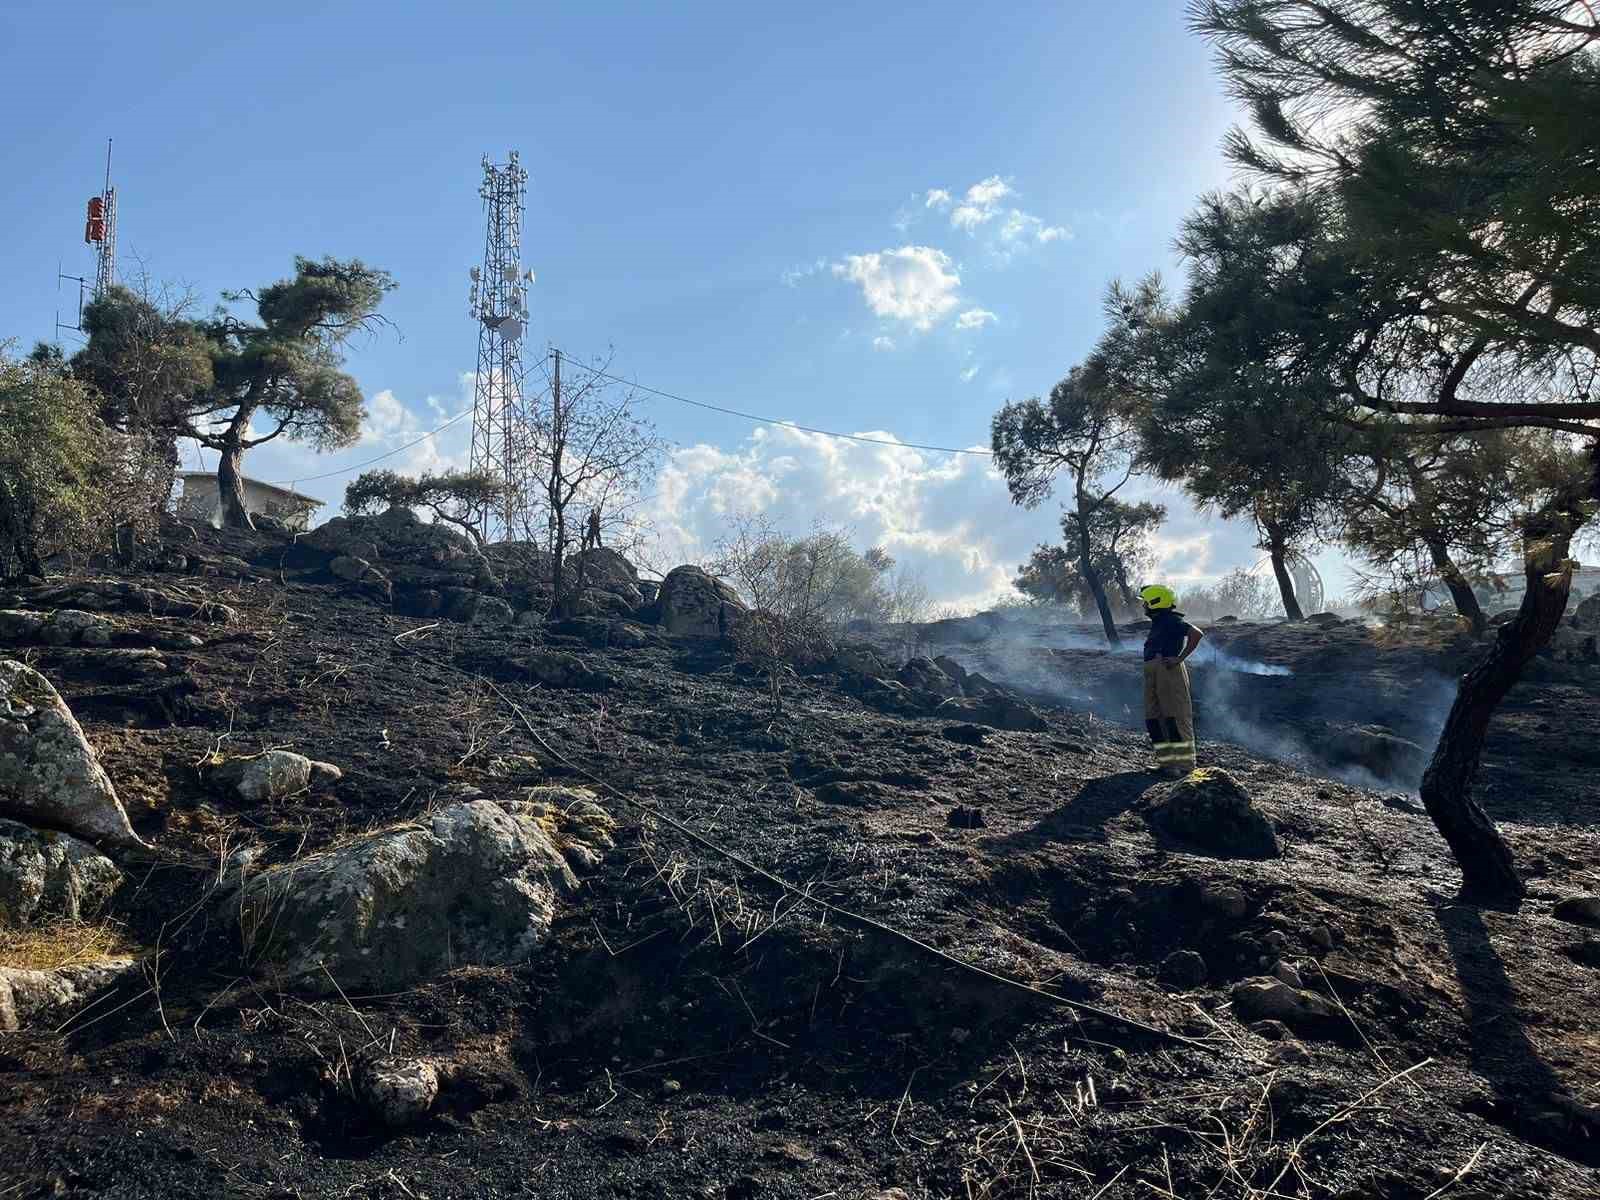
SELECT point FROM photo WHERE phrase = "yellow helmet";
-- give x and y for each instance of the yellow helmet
(1156, 596)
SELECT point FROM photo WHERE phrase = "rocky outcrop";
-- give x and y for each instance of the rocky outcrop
(693, 603)
(48, 875)
(27, 994)
(49, 774)
(861, 660)
(921, 675)
(472, 884)
(398, 536)
(996, 709)
(1210, 810)
(1580, 910)
(63, 627)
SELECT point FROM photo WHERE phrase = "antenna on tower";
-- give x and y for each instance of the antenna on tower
(498, 302)
(101, 230)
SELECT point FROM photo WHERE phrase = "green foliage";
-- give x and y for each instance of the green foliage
(1240, 593)
(818, 581)
(456, 497)
(1119, 536)
(161, 373)
(67, 481)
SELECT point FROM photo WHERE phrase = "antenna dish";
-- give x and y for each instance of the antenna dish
(509, 328)
(473, 271)
(529, 276)
(509, 273)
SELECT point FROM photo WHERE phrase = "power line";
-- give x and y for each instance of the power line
(717, 408)
(397, 450)
(733, 412)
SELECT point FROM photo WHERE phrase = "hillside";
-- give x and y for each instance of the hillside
(1002, 964)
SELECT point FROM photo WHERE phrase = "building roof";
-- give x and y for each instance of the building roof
(255, 483)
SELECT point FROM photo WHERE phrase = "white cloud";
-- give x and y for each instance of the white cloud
(882, 343)
(981, 204)
(975, 318)
(1024, 227)
(937, 198)
(913, 284)
(948, 516)
(793, 275)
(968, 374)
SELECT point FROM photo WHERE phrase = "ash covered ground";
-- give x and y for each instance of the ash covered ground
(689, 1029)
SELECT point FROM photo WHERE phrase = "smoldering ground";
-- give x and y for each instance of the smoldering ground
(1320, 697)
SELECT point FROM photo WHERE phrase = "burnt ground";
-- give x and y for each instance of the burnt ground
(692, 1031)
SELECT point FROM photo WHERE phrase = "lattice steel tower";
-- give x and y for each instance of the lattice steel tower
(501, 437)
(105, 266)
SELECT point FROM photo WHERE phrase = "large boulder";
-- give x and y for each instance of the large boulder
(694, 603)
(49, 875)
(606, 570)
(470, 885)
(1266, 998)
(397, 1091)
(1209, 809)
(25, 993)
(63, 627)
(49, 774)
(960, 630)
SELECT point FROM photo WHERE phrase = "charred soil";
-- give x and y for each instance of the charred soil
(692, 1029)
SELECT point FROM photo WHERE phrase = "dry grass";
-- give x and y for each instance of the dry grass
(62, 944)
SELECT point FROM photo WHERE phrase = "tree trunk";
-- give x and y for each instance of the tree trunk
(558, 565)
(1280, 568)
(1461, 593)
(1097, 587)
(230, 487)
(1487, 870)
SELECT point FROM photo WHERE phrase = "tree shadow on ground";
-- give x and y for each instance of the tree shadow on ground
(1084, 817)
(1530, 1099)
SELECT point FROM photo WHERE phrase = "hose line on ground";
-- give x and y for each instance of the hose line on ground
(845, 915)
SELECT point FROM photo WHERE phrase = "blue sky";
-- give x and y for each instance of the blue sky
(846, 215)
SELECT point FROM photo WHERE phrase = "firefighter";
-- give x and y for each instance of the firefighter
(1168, 709)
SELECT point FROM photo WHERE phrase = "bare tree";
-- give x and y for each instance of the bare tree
(591, 454)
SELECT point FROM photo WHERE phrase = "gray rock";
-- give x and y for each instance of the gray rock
(1288, 1053)
(1265, 998)
(272, 775)
(491, 610)
(996, 709)
(397, 536)
(555, 669)
(693, 603)
(74, 627)
(324, 774)
(1580, 910)
(49, 774)
(45, 874)
(1375, 749)
(363, 574)
(922, 675)
(1286, 973)
(861, 659)
(397, 1091)
(1209, 809)
(470, 885)
(595, 602)
(1225, 899)
(1183, 969)
(27, 994)
(19, 625)
(951, 668)
(1586, 616)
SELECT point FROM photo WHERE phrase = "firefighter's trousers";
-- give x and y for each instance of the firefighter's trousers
(1169, 714)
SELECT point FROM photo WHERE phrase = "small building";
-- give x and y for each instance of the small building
(200, 500)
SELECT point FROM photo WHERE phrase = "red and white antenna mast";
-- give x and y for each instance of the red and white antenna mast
(101, 231)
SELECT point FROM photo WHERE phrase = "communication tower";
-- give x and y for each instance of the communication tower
(501, 436)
